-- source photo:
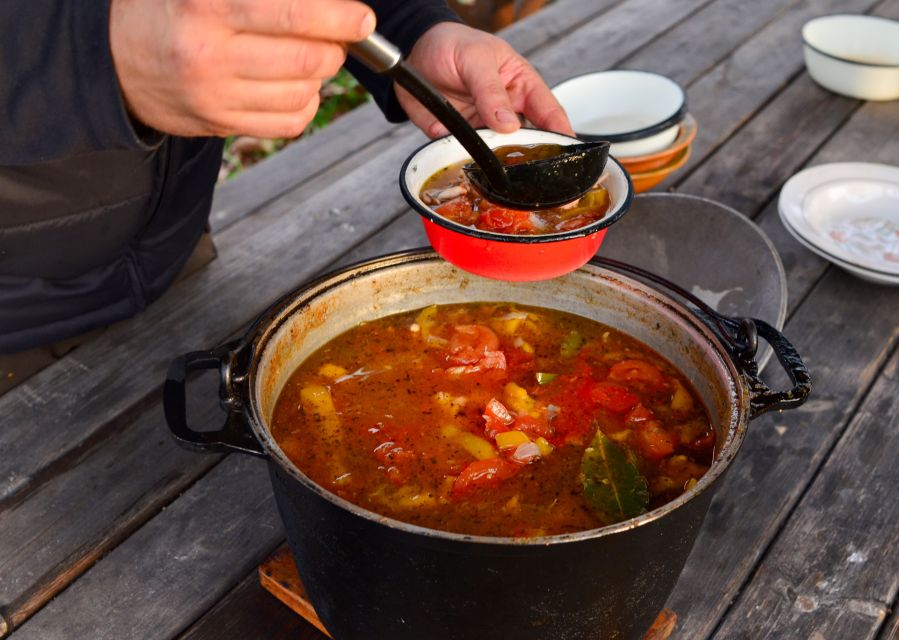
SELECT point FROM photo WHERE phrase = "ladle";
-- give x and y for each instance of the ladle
(538, 184)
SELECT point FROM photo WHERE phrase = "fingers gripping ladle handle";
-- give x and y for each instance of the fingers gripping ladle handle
(377, 53)
(382, 57)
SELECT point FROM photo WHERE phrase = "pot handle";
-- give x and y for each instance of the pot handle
(235, 436)
(740, 337)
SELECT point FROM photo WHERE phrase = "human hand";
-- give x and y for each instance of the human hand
(484, 78)
(222, 67)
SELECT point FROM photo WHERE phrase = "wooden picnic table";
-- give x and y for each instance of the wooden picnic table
(109, 530)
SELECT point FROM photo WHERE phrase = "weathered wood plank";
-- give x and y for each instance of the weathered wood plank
(890, 630)
(781, 138)
(259, 260)
(157, 582)
(730, 94)
(617, 34)
(699, 43)
(834, 570)
(249, 611)
(87, 509)
(785, 134)
(345, 147)
(872, 132)
(845, 330)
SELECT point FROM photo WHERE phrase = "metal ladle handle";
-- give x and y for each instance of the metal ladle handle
(381, 56)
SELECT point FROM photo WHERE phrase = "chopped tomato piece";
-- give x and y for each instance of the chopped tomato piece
(638, 414)
(458, 211)
(506, 220)
(482, 474)
(637, 371)
(534, 426)
(704, 443)
(653, 441)
(576, 222)
(496, 418)
(470, 342)
(613, 397)
(474, 348)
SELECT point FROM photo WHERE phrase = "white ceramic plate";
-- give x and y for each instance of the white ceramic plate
(848, 213)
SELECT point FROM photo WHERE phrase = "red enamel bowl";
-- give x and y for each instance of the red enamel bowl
(504, 256)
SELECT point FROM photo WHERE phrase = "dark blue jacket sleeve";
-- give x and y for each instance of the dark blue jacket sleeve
(402, 22)
(58, 90)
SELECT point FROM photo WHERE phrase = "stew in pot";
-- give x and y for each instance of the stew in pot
(494, 419)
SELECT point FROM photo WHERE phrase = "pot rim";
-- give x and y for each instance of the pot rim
(268, 325)
(429, 214)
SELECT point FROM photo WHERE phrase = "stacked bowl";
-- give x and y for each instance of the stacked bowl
(644, 116)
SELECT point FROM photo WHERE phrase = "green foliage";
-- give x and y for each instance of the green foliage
(341, 94)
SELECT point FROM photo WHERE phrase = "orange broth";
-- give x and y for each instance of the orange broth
(450, 195)
(474, 418)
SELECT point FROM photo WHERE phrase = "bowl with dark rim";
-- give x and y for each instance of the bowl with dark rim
(637, 111)
(504, 256)
(854, 55)
(370, 576)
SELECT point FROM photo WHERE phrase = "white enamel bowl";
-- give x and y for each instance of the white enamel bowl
(637, 111)
(854, 55)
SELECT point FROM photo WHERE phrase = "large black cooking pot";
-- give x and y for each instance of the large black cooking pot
(371, 577)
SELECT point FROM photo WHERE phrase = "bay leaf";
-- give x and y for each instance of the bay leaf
(613, 486)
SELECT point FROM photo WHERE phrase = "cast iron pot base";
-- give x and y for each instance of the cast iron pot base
(278, 575)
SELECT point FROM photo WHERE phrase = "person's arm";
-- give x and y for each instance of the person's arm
(479, 73)
(402, 22)
(58, 91)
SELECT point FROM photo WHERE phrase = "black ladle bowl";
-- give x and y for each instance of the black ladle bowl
(544, 184)
(538, 184)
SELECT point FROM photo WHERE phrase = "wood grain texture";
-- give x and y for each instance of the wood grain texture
(696, 45)
(834, 570)
(734, 90)
(781, 138)
(157, 582)
(617, 34)
(278, 575)
(785, 134)
(782, 452)
(890, 630)
(692, 55)
(87, 509)
(250, 612)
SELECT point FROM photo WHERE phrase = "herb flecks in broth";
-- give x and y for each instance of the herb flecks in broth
(494, 419)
